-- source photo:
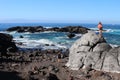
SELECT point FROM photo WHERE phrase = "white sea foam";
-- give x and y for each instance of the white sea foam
(41, 43)
(78, 35)
(116, 30)
(106, 30)
(109, 30)
(44, 41)
(113, 45)
(3, 31)
(94, 28)
(48, 32)
(61, 46)
(30, 40)
(27, 33)
(13, 32)
(24, 40)
(48, 27)
(61, 37)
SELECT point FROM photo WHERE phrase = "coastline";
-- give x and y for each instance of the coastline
(111, 34)
(46, 38)
(38, 64)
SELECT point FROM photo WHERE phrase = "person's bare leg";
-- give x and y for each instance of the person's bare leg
(100, 33)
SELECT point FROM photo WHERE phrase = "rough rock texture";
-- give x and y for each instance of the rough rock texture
(94, 52)
(6, 44)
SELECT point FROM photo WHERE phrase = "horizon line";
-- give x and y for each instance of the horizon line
(59, 23)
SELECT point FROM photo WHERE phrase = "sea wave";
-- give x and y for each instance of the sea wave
(56, 40)
(106, 30)
(112, 30)
(113, 45)
(49, 32)
(109, 30)
(78, 35)
(94, 28)
(41, 43)
(48, 27)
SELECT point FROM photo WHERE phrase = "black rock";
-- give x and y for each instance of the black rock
(21, 36)
(32, 29)
(7, 44)
(71, 35)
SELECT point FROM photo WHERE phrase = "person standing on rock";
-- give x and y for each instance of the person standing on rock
(100, 26)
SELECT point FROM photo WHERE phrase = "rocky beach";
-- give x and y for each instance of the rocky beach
(59, 40)
(89, 58)
(43, 65)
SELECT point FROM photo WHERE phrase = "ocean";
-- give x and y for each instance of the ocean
(58, 40)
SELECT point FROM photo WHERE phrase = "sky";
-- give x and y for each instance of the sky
(60, 11)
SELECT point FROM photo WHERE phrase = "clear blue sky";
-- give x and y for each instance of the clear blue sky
(67, 11)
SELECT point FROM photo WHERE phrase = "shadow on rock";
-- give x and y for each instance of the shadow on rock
(9, 76)
(52, 77)
(11, 60)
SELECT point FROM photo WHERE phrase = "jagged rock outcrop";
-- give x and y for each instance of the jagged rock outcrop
(32, 29)
(94, 52)
(74, 29)
(7, 44)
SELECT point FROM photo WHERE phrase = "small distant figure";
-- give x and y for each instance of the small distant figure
(100, 27)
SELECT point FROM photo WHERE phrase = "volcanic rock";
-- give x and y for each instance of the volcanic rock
(92, 50)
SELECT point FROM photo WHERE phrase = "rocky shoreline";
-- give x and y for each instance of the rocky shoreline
(82, 61)
(44, 65)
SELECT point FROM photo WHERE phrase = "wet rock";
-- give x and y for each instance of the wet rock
(46, 44)
(70, 35)
(21, 36)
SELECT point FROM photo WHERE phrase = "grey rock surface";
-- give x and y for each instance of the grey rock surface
(92, 50)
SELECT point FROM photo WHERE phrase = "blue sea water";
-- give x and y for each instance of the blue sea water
(57, 40)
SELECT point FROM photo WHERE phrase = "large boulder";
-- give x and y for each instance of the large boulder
(6, 44)
(94, 52)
